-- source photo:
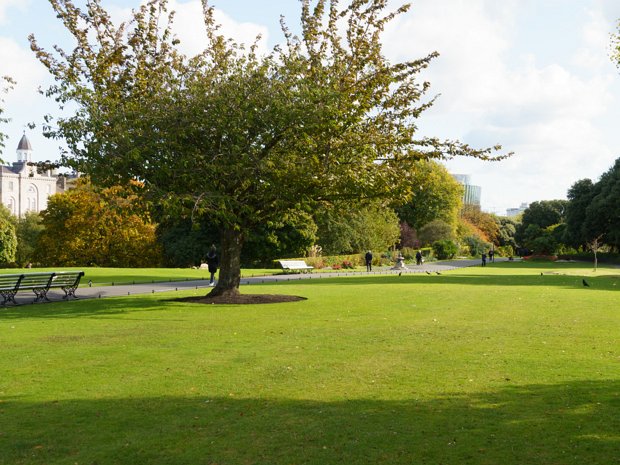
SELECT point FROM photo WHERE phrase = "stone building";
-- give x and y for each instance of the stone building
(23, 187)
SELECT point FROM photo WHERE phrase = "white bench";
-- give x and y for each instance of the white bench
(295, 265)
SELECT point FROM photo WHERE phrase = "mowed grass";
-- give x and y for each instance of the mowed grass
(108, 276)
(476, 366)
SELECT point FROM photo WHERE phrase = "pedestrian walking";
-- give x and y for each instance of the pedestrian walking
(368, 259)
(484, 259)
(212, 264)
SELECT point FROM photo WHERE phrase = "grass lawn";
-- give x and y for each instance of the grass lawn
(107, 276)
(495, 365)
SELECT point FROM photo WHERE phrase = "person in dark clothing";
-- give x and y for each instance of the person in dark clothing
(484, 259)
(368, 259)
(212, 263)
(418, 258)
(491, 255)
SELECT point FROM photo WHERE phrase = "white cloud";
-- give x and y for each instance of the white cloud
(6, 4)
(493, 92)
(594, 52)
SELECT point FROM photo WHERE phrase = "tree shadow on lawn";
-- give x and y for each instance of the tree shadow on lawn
(107, 307)
(571, 423)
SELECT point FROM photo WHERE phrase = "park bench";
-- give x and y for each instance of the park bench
(295, 265)
(40, 284)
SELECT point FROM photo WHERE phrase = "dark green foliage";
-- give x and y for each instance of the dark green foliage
(352, 228)
(436, 230)
(445, 249)
(476, 245)
(507, 232)
(8, 238)
(28, 230)
(185, 243)
(579, 199)
(603, 214)
(539, 216)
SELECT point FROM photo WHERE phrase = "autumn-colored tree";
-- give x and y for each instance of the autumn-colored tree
(241, 137)
(105, 227)
(485, 222)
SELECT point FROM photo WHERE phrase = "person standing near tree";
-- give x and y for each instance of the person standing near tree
(212, 263)
(368, 258)
(484, 259)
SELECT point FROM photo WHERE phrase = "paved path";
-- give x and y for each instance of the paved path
(151, 288)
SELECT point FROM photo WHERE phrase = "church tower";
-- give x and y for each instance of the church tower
(24, 150)
(22, 187)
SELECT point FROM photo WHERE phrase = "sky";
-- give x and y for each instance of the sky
(532, 75)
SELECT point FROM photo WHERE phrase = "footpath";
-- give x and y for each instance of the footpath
(99, 292)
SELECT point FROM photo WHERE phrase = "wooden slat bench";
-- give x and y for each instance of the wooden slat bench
(295, 265)
(40, 284)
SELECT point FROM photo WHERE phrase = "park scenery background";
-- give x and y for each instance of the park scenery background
(512, 363)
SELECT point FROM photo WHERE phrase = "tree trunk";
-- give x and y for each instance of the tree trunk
(230, 263)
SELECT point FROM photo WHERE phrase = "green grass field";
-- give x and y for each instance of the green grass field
(107, 276)
(495, 365)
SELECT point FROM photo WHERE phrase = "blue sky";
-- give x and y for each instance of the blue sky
(532, 75)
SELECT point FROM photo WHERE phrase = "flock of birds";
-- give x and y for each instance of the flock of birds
(583, 281)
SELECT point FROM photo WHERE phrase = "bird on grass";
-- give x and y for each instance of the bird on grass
(428, 272)
(585, 283)
(400, 273)
(437, 272)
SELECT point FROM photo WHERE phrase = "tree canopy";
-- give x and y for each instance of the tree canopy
(104, 227)
(236, 136)
(435, 195)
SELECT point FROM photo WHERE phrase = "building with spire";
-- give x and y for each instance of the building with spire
(24, 188)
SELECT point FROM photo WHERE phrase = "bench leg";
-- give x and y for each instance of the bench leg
(8, 296)
(69, 292)
(41, 295)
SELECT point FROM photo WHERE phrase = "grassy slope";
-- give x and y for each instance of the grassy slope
(481, 366)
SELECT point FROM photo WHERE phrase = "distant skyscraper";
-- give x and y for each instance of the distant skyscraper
(517, 211)
(471, 194)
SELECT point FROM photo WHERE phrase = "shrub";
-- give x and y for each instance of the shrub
(445, 249)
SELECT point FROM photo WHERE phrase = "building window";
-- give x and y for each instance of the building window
(11, 186)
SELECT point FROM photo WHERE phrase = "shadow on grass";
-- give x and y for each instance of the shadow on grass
(107, 307)
(572, 423)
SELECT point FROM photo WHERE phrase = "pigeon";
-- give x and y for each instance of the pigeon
(585, 283)
(428, 272)
(437, 272)
(400, 273)
(541, 274)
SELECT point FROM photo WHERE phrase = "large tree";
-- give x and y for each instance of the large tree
(236, 136)
(603, 213)
(578, 230)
